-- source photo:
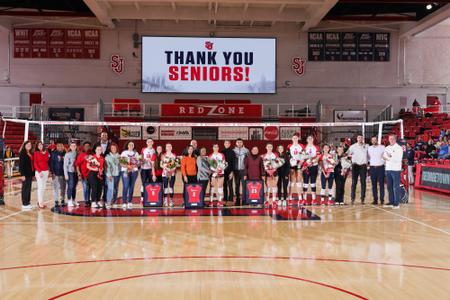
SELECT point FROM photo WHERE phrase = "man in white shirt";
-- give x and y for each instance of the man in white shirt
(359, 156)
(393, 155)
(376, 171)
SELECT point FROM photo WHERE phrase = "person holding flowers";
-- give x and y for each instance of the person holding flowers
(341, 170)
(95, 165)
(295, 151)
(217, 165)
(283, 176)
(271, 162)
(169, 163)
(328, 162)
(130, 161)
(112, 174)
(310, 170)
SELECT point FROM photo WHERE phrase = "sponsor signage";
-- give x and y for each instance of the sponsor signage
(130, 132)
(175, 133)
(350, 116)
(211, 110)
(435, 177)
(233, 133)
(271, 133)
(150, 132)
(286, 133)
(56, 43)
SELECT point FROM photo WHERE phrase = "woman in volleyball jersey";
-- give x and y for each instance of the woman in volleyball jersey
(328, 161)
(169, 165)
(217, 165)
(147, 174)
(310, 170)
(270, 160)
(295, 151)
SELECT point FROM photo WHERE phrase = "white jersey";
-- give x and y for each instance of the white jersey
(312, 151)
(296, 151)
(147, 155)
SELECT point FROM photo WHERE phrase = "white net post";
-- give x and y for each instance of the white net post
(26, 132)
(380, 132)
(42, 132)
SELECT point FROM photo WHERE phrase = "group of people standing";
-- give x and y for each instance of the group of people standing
(285, 172)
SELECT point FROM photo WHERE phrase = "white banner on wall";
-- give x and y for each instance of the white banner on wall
(208, 65)
(233, 133)
(286, 133)
(350, 116)
(130, 133)
(150, 132)
(175, 133)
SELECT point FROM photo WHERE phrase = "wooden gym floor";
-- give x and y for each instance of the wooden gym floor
(362, 252)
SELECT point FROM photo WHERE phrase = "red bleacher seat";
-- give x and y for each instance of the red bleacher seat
(126, 105)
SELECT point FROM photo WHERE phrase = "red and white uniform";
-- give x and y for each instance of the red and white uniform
(153, 192)
(327, 160)
(166, 172)
(313, 152)
(296, 152)
(220, 158)
(147, 156)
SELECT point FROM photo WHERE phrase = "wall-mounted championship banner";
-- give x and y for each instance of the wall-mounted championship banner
(316, 51)
(381, 46)
(208, 65)
(193, 195)
(365, 46)
(333, 46)
(254, 192)
(175, 133)
(150, 132)
(233, 133)
(153, 194)
(130, 132)
(350, 116)
(286, 133)
(349, 46)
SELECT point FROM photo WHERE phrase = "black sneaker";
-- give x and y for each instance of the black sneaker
(87, 204)
(56, 204)
(63, 203)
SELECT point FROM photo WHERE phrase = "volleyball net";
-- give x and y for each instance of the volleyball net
(324, 132)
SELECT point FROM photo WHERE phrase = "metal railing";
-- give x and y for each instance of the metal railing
(16, 112)
(386, 114)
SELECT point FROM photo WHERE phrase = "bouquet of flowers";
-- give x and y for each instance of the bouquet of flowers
(170, 164)
(271, 165)
(346, 165)
(217, 167)
(328, 165)
(305, 161)
(94, 164)
(131, 162)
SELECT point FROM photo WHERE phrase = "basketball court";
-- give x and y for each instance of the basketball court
(210, 71)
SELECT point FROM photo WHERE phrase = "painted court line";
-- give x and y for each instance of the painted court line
(415, 221)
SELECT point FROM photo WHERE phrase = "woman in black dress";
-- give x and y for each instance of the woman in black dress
(26, 172)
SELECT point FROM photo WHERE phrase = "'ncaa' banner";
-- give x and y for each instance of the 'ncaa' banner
(211, 110)
(208, 65)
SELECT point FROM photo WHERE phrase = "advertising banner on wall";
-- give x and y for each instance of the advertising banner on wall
(233, 133)
(208, 65)
(150, 132)
(350, 116)
(175, 133)
(130, 132)
(271, 133)
(286, 133)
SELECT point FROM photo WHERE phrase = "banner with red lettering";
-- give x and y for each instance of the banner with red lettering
(208, 65)
(56, 43)
(211, 110)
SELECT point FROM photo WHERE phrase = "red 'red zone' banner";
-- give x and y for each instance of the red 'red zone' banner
(211, 110)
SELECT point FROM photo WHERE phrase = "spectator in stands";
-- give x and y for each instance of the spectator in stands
(253, 163)
(70, 174)
(112, 174)
(359, 156)
(393, 156)
(430, 149)
(230, 158)
(239, 170)
(83, 172)
(192, 143)
(443, 151)
(420, 144)
(56, 166)
(51, 146)
(410, 155)
(40, 160)
(377, 171)
(8, 153)
(26, 169)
